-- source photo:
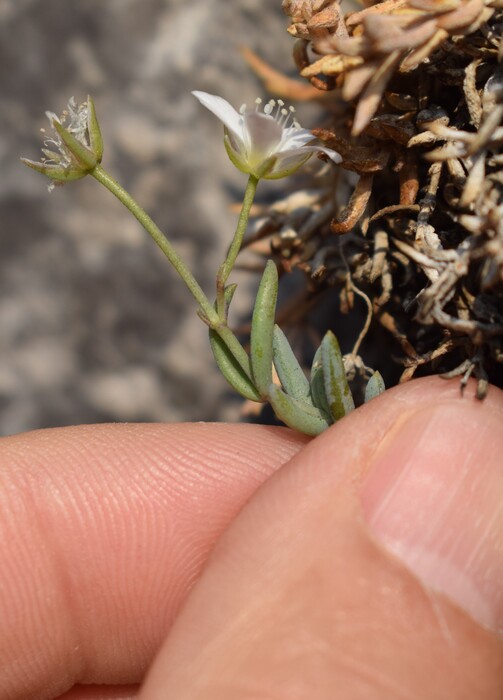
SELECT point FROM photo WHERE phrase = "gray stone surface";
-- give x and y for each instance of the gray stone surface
(94, 325)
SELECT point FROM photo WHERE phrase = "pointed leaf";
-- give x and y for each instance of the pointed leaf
(374, 387)
(262, 329)
(290, 373)
(231, 370)
(296, 414)
(317, 387)
(338, 393)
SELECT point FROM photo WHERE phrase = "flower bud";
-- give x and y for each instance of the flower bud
(75, 147)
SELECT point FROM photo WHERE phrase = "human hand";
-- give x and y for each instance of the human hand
(365, 564)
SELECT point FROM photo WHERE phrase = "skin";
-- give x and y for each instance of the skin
(239, 561)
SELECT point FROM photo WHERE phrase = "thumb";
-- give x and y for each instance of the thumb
(371, 565)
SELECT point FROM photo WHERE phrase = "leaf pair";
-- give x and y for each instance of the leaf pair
(307, 406)
(313, 406)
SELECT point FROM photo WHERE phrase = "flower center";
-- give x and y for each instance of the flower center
(276, 110)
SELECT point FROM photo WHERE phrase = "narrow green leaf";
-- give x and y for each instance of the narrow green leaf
(339, 397)
(296, 414)
(231, 370)
(262, 329)
(290, 373)
(375, 386)
(317, 386)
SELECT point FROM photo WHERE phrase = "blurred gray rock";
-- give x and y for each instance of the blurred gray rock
(94, 325)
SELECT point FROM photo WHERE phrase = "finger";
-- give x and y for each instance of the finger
(103, 529)
(101, 692)
(370, 566)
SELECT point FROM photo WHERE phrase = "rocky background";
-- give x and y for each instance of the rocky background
(94, 325)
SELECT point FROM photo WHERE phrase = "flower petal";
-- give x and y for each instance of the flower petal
(295, 137)
(264, 135)
(289, 161)
(223, 110)
(333, 155)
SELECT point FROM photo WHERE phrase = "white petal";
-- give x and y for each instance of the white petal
(264, 134)
(223, 110)
(293, 137)
(289, 161)
(333, 155)
(311, 148)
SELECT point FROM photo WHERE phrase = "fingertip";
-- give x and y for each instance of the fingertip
(301, 596)
(103, 530)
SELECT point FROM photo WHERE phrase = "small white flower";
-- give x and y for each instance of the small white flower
(267, 144)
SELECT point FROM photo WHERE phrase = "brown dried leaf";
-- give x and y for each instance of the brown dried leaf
(331, 65)
(412, 61)
(462, 17)
(373, 93)
(350, 216)
(278, 84)
(356, 79)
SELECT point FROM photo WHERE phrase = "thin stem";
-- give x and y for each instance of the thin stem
(160, 239)
(214, 319)
(226, 267)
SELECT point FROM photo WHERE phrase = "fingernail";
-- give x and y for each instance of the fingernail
(434, 498)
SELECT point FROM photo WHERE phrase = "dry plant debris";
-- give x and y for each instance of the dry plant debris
(413, 98)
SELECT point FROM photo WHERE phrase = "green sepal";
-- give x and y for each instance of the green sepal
(375, 386)
(60, 173)
(285, 172)
(85, 158)
(296, 414)
(243, 165)
(231, 370)
(262, 329)
(266, 168)
(52, 155)
(339, 397)
(291, 375)
(93, 127)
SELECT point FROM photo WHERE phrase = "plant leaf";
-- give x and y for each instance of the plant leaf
(296, 414)
(231, 369)
(375, 386)
(262, 329)
(290, 373)
(317, 387)
(339, 397)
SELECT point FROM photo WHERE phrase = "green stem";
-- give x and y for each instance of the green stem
(226, 267)
(215, 321)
